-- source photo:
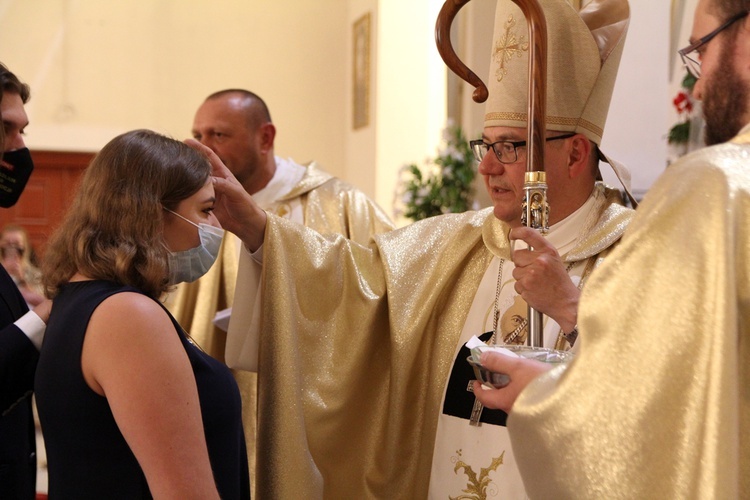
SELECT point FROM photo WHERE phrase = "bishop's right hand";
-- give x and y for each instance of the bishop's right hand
(234, 208)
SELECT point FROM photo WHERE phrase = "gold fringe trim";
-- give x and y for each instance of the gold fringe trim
(551, 120)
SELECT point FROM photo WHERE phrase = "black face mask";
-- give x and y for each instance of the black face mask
(15, 170)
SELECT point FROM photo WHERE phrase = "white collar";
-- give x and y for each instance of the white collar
(287, 175)
(564, 234)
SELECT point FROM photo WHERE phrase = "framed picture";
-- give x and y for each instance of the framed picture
(361, 72)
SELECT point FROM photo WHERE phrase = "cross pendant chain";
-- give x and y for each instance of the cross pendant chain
(476, 411)
(476, 414)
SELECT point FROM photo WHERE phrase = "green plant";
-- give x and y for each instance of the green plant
(445, 186)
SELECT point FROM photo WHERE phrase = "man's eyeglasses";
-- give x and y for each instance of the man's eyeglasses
(693, 61)
(506, 151)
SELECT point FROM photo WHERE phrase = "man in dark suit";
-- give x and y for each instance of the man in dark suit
(21, 331)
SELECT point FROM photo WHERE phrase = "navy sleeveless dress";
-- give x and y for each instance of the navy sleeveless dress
(87, 455)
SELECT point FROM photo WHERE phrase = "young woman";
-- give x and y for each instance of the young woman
(129, 407)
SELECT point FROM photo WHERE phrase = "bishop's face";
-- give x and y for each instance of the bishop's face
(505, 181)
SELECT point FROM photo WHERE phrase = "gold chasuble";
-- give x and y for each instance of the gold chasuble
(323, 203)
(356, 346)
(657, 401)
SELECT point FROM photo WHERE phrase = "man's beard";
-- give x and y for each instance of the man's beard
(724, 101)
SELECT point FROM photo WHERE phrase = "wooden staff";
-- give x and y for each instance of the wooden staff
(535, 212)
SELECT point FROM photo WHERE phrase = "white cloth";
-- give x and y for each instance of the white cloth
(33, 327)
(288, 174)
(460, 447)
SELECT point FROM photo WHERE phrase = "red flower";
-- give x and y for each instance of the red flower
(682, 102)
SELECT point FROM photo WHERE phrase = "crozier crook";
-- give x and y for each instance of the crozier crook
(535, 206)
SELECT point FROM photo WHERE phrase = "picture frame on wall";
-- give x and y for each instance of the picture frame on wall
(361, 72)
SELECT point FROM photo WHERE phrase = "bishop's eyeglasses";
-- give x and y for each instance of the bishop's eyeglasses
(693, 61)
(506, 151)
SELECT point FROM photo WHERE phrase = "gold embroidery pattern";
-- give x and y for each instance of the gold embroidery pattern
(476, 488)
(507, 46)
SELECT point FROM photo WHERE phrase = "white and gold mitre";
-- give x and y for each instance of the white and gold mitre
(585, 39)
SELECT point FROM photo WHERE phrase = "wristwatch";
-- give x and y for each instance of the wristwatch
(571, 336)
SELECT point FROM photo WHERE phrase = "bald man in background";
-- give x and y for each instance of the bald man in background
(236, 124)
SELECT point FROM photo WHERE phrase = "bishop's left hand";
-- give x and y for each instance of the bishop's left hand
(542, 280)
(521, 372)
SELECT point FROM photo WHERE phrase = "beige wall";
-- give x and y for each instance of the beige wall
(407, 98)
(637, 123)
(360, 165)
(411, 81)
(99, 68)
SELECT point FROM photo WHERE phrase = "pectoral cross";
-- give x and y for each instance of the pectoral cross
(476, 411)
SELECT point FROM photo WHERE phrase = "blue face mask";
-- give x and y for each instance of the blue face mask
(189, 265)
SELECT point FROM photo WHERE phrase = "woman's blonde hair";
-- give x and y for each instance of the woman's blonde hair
(113, 229)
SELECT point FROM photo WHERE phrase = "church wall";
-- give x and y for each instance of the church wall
(98, 69)
(360, 162)
(101, 68)
(638, 116)
(411, 82)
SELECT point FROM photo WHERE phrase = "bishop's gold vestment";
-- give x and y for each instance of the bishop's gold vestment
(328, 205)
(657, 402)
(356, 347)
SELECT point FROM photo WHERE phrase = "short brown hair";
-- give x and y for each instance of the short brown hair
(255, 107)
(113, 230)
(11, 84)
